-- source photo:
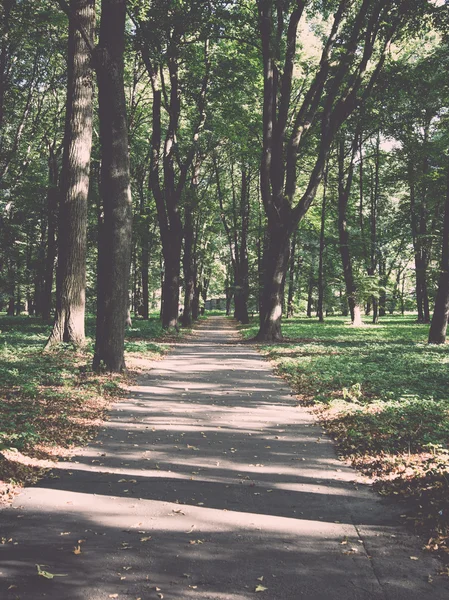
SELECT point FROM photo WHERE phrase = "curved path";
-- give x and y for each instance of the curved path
(209, 482)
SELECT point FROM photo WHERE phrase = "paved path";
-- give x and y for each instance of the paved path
(207, 482)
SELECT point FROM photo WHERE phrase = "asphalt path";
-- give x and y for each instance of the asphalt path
(210, 482)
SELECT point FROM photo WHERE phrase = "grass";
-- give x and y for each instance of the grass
(383, 394)
(52, 402)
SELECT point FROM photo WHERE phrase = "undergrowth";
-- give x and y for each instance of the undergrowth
(383, 394)
(51, 402)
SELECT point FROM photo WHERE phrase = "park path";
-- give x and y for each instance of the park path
(209, 482)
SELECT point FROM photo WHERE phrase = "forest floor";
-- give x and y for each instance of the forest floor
(382, 393)
(53, 402)
(210, 482)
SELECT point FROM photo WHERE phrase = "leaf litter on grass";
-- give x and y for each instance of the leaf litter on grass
(382, 393)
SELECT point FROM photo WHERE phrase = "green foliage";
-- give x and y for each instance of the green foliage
(387, 386)
(44, 394)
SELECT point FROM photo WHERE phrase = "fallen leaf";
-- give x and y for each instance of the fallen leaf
(260, 578)
(414, 558)
(47, 574)
(113, 596)
(77, 550)
(260, 588)
(145, 539)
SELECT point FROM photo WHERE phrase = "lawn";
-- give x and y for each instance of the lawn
(51, 402)
(383, 394)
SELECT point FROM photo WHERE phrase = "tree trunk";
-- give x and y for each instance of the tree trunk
(170, 292)
(310, 287)
(71, 274)
(115, 188)
(291, 276)
(52, 220)
(241, 276)
(275, 264)
(438, 327)
(320, 313)
(343, 233)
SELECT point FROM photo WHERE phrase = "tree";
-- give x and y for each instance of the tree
(360, 33)
(116, 236)
(71, 273)
(437, 333)
(164, 41)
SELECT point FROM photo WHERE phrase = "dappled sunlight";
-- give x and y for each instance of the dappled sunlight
(206, 482)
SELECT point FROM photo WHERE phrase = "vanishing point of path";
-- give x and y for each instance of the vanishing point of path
(209, 482)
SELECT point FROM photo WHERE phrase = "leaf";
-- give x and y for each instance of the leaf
(47, 574)
(145, 539)
(260, 588)
(260, 578)
(414, 558)
(77, 550)
(113, 596)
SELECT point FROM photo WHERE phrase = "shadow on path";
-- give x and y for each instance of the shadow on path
(206, 482)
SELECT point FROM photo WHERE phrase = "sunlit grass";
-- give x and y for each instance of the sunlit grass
(52, 401)
(383, 394)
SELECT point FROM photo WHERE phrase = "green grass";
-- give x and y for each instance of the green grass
(383, 394)
(53, 401)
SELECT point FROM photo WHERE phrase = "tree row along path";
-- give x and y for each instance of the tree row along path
(209, 482)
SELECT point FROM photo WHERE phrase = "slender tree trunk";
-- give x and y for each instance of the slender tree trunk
(343, 197)
(241, 276)
(438, 327)
(71, 274)
(188, 268)
(310, 287)
(52, 220)
(291, 276)
(189, 244)
(115, 188)
(144, 268)
(320, 313)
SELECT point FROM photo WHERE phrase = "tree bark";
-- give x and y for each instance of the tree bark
(334, 93)
(320, 313)
(274, 265)
(438, 327)
(52, 220)
(291, 276)
(115, 188)
(343, 233)
(71, 271)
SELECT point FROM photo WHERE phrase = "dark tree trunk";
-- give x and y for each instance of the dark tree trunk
(189, 243)
(115, 188)
(343, 233)
(383, 288)
(438, 327)
(274, 264)
(310, 286)
(170, 293)
(320, 313)
(71, 274)
(52, 220)
(419, 230)
(144, 268)
(241, 276)
(291, 276)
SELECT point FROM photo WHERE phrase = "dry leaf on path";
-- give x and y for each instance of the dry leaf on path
(260, 588)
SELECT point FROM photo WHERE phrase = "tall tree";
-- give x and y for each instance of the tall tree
(359, 35)
(116, 238)
(71, 272)
(438, 327)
